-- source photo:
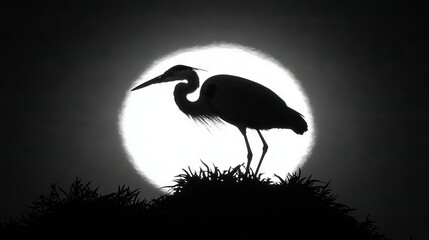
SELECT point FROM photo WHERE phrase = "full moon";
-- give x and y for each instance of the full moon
(161, 141)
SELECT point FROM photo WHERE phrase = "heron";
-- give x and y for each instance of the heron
(235, 100)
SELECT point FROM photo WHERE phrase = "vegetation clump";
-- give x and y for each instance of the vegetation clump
(208, 203)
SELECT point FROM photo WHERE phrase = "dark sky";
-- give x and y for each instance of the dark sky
(66, 67)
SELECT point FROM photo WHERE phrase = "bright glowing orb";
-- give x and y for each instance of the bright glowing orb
(161, 141)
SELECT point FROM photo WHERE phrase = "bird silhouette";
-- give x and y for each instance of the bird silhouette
(238, 101)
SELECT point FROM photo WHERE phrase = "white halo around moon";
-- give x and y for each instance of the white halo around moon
(161, 141)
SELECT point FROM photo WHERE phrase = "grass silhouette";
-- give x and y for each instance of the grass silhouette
(204, 204)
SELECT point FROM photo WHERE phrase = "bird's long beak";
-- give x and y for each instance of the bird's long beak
(160, 79)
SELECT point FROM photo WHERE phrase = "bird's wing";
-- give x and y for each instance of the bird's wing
(243, 102)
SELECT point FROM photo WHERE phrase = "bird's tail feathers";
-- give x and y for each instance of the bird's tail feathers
(298, 124)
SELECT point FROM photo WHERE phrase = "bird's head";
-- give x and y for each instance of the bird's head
(178, 72)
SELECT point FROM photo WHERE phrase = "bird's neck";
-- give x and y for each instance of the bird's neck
(183, 89)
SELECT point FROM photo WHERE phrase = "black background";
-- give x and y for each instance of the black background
(66, 67)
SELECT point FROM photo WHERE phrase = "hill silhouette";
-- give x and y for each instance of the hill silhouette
(203, 204)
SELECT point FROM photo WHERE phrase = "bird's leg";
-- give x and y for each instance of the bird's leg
(264, 151)
(249, 151)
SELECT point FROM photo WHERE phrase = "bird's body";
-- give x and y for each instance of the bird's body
(238, 101)
(247, 104)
